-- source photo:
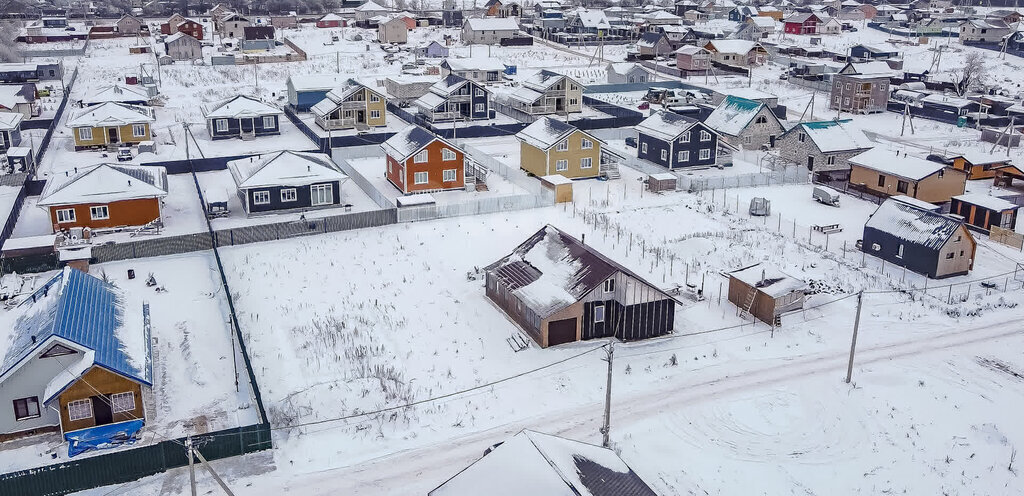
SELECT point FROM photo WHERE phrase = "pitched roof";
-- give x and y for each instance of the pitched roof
(450, 84)
(733, 114)
(315, 82)
(893, 163)
(541, 464)
(546, 132)
(913, 224)
(10, 120)
(117, 93)
(13, 94)
(331, 17)
(338, 95)
(769, 280)
(88, 312)
(741, 47)
(110, 114)
(180, 36)
(410, 140)
(285, 168)
(593, 18)
(371, 6)
(241, 106)
(474, 64)
(834, 136)
(544, 79)
(987, 201)
(650, 39)
(104, 183)
(665, 125)
(492, 24)
(876, 67)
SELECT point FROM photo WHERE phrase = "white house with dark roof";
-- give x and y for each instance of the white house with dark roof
(489, 30)
(243, 117)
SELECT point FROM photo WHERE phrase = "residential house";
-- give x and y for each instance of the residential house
(306, 90)
(10, 130)
(403, 89)
(129, 25)
(886, 173)
(489, 30)
(742, 13)
(170, 26)
(497, 8)
(830, 26)
(737, 53)
(179, 24)
(654, 44)
(985, 211)
(130, 94)
(352, 105)
(765, 292)
(693, 58)
(19, 73)
(232, 25)
(394, 30)
(770, 11)
(104, 196)
(662, 18)
(219, 11)
(330, 21)
(590, 21)
(546, 92)
(756, 29)
(181, 46)
(78, 356)
(285, 22)
(549, 146)
(825, 147)
(628, 72)
(559, 290)
(286, 180)
(454, 99)
(984, 31)
(243, 117)
(801, 23)
(432, 50)
(19, 98)
(255, 38)
(949, 109)
(676, 141)
(922, 240)
(1008, 16)
(110, 124)
(479, 69)
(555, 466)
(872, 52)
(978, 164)
(744, 123)
(368, 10)
(861, 87)
(418, 161)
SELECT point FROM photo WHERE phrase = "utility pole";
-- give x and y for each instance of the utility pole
(193, 453)
(191, 465)
(610, 351)
(853, 343)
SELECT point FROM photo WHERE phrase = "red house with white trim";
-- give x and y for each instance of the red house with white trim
(802, 23)
(419, 161)
(331, 21)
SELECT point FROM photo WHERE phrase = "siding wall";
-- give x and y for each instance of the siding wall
(932, 189)
(303, 197)
(122, 213)
(402, 174)
(532, 159)
(235, 127)
(99, 381)
(100, 136)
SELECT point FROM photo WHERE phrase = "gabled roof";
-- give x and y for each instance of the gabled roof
(410, 140)
(893, 163)
(739, 47)
(241, 106)
(873, 48)
(987, 23)
(13, 94)
(987, 201)
(769, 280)
(104, 183)
(331, 17)
(733, 115)
(665, 125)
(912, 224)
(81, 309)
(834, 136)
(180, 36)
(492, 24)
(593, 18)
(873, 68)
(691, 50)
(763, 21)
(651, 38)
(627, 67)
(544, 79)
(473, 64)
(371, 6)
(800, 18)
(315, 82)
(547, 132)
(10, 120)
(451, 84)
(285, 168)
(117, 93)
(338, 95)
(110, 114)
(531, 463)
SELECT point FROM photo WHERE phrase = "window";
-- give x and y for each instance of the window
(375, 114)
(447, 154)
(586, 162)
(899, 251)
(449, 175)
(830, 160)
(587, 144)
(268, 122)
(664, 154)
(260, 197)
(705, 136)
(761, 120)
(222, 125)
(479, 108)
(122, 402)
(846, 101)
(876, 246)
(374, 98)
(80, 409)
(839, 86)
(65, 215)
(961, 253)
(881, 181)
(321, 194)
(562, 145)
(958, 238)
(643, 147)
(85, 133)
(902, 186)
(685, 138)
(747, 139)
(598, 314)
(420, 178)
(421, 157)
(848, 86)
(100, 212)
(949, 256)
(683, 156)
(801, 137)
(478, 92)
(289, 195)
(609, 285)
(138, 130)
(573, 101)
(837, 100)
(562, 165)
(705, 153)
(26, 408)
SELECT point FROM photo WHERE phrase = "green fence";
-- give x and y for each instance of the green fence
(118, 467)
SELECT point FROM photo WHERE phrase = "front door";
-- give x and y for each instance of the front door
(112, 136)
(101, 410)
(246, 125)
(771, 141)
(810, 162)
(361, 117)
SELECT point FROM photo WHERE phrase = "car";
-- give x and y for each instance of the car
(631, 142)
(989, 285)
(124, 154)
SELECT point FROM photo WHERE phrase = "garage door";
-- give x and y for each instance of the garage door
(561, 331)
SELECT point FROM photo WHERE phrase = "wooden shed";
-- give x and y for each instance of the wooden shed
(985, 211)
(765, 292)
(661, 182)
(561, 185)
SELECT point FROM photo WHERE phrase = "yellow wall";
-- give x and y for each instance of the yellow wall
(99, 136)
(932, 189)
(532, 160)
(382, 106)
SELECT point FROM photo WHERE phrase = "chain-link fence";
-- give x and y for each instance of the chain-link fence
(789, 175)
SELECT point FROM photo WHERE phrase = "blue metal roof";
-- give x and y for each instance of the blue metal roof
(85, 310)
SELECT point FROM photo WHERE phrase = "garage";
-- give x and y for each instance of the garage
(561, 331)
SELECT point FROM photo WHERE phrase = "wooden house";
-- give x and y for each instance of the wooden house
(394, 30)
(110, 124)
(546, 92)
(419, 161)
(454, 99)
(129, 25)
(10, 130)
(117, 93)
(351, 106)
(330, 21)
(805, 23)
(765, 292)
(480, 69)
(654, 44)
(676, 141)
(985, 211)
(182, 46)
(306, 90)
(871, 52)
(287, 180)
(745, 123)
(78, 358)
(489, 30)
(737, 53)
(922, 240)
(432, 50)
(172, 22)
(549, 146)
(979, 165)
(104, 196)
(243, 117)
(887, 173)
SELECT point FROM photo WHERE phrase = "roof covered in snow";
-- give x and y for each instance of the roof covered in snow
(286, 168)
(979, 157)
(738, 47)
(180, 36)
(912, 224)
(988, 202)
(834, 136)
(769, 280)
(474, 64)
(110, 114)
(593, 18)
(104, 183)
(316, 82)
(544, 79)
(666, 126)
(546, 132)
(873, 68)
(10, 120)
(492, 24)
(410, 140)
(241, 106)
(117, 93)
(895, 163)
(371, 6)
(338, 95)
(733, 114)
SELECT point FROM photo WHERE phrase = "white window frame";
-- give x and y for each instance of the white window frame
(599, 313)
(221, 125)
(447, 154)
(899, 251)
(705, 136)
(586, 162)
(562, 145)
(290, 194)
(318, 190)
(449, 175)
(587, 144)
(63, 212)
(561, 165)
(268, 122)
(685, 138)
(374, 98)
(104, 212)
(664, 154)
(375, 114)
(138, 130)
(261, 197)
(421, 157)
(830, 160)
(705, 154)
(119, 402)
(480, 107)
(76, 411)
(643, 147)
(85, 133)
(609, 285)
(683, 156)
(417, 175)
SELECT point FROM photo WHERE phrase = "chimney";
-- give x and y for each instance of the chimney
(762, 278)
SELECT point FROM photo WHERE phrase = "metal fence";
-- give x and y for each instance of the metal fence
(44, 144)
(474, 207)
(341, 157)
(789, 175)
(153, 247)
(509, 172)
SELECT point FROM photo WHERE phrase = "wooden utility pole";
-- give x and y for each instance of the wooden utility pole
(853, 342)
(610, 351)
(191, 465)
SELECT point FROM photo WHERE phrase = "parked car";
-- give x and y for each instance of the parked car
(760, 207)
(631, 142)
(826, 195)
(124, 154)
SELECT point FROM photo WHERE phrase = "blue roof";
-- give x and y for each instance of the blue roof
(84, 310)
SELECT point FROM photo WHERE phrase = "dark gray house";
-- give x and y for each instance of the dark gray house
(904, 233)
(560, 291)
(10, 130)
(454, 98)
(286, 181)
(673, 140)
(243, 117)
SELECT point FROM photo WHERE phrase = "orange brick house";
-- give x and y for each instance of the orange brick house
(105, 196)
(419, 161)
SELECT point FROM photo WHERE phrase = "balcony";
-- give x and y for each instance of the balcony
(459, 98)
(540, 109)
(337, 123)
(354, 105)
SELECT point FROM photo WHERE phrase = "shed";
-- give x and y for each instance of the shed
(985, 211)
(561, 185)
(765, 292)
(661, 182)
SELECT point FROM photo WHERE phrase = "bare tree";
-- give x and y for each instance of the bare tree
(971, 73)
(8, 31)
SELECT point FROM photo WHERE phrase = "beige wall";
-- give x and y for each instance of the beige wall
(381, 106)
(933, 189)
(574, 311)
(962, 246)
(573, 156)
(532, 159)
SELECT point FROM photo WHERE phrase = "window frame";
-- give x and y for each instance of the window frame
(448, 155)
(261, 197)
(221, 125)
(421, 157)
(82, 131)
(664, 154)
(561, 165)
(269, 122)
(599, 315)
(104, 208)
(683, 156)
(314, 194)
(289, 195)
(445, 174)
(416, 176)
(643, 147)
(705, 136)
(114, 408)
(375, 114)
(609, 285)
(136, 128)
(76, 403)
(562, 146)
(881, 180)
(66, 219)
(28, 414)
(705, 154)
(587, 163)
(586, 144)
